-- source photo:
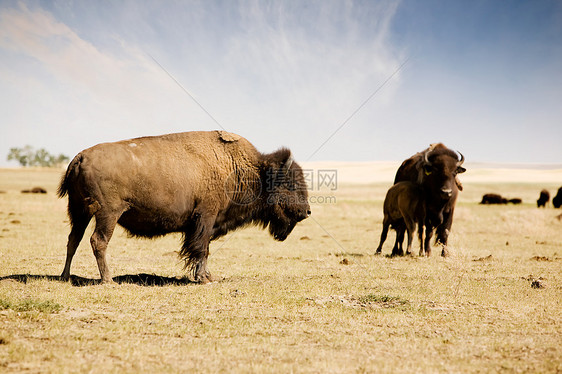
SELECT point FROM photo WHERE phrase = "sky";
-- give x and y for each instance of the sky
(331, 80)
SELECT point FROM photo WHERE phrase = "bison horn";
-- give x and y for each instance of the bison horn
(426, 157)
(288, 164)
(461, 160)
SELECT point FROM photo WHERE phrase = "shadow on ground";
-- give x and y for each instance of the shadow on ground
(148, 280)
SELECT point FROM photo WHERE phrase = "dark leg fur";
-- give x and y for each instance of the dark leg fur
(195, 248)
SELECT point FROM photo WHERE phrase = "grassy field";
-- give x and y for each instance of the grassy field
(318, 302)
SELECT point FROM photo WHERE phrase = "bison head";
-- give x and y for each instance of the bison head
(286, 194)
(438, 170)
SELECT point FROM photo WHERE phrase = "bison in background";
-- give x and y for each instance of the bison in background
(492, 199)
(557, 200)
(202, 184)
(544, 198)
(435, 171)
(39, 190)
(495, 199)
(404, 208)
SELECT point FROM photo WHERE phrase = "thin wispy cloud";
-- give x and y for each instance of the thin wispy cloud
(285, 73)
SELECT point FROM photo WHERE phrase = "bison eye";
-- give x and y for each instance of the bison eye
(427, 169)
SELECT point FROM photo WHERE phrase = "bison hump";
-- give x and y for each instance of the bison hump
(228, 137)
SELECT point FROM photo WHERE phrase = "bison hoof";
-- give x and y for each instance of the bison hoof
(204, 279)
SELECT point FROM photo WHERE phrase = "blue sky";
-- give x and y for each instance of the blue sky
(484, 77)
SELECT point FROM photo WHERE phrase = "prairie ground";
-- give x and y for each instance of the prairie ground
(318, 302)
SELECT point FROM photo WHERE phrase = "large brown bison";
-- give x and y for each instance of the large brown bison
(202, 184)
(403, 209)
(435, 170)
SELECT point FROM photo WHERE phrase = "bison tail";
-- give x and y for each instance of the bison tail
(69, 176)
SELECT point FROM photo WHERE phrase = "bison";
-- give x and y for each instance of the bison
(404, 208)
(39, 190)
(544, 197)
(201, 184)
(493, 199)
(435, 170)
(557, 200)
(496, 199)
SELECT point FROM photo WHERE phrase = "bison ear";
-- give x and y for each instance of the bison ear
(460, 169)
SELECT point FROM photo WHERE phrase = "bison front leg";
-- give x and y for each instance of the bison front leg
(420, 236)
(195, 249)
(398, 249)
(200, 272)
(427, 242)
(410, 229)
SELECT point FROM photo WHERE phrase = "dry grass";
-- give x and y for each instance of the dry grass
(319, 302)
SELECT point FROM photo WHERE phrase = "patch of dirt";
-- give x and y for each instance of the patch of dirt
(304, 238)
(344, 254)
(361, 302)
(540, 258)
(345, 261)
(535, 282)
(487, 258)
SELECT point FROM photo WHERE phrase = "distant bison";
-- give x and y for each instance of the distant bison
(557, 200)
(435, 170)
(404, 208)
(492, 198)
(202, 184)
(544, 198)
(35, 190)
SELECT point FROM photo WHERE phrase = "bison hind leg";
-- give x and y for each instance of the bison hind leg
(384, 233)
(105, 225)
(78, 223)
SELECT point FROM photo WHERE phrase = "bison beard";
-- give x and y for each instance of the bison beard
(202, 184)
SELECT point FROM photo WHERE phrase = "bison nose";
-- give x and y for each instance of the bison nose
(447, 191)
(308, 213)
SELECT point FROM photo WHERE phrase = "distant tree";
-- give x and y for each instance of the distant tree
(28, 156)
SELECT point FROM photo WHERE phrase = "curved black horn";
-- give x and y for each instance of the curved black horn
(459, 163)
